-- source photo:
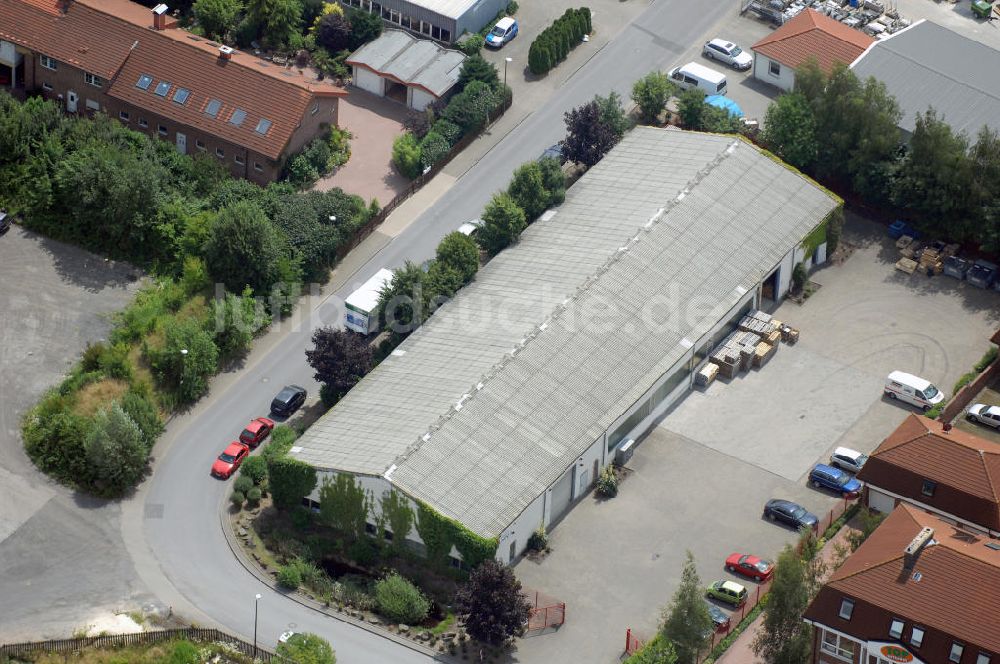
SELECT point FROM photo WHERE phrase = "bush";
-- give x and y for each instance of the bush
(400, 601)
(503, 221)
(528, 190)
(799, 277)
(433, 148)
(184, 652)
(459, 252)
(607, 482)
(986, 360)
(447, 129)
(363, 551)
(289, 480)
(253, 496)
(553, 44)
(289, 576)
(539, 540)
(406, 156)
(471, 45)
(116, 451)
(651, 94)
(237, 499)
(242, 484)
(254, 468)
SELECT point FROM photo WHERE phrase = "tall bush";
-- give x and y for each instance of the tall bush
(400, 601)
(406, 156)
(553, 44)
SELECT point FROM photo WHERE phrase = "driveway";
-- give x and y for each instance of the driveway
(989, 395)
(62, 558)
(699, 479)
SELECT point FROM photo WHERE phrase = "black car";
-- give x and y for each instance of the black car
(288, 400)
(789, 513)
(720, 620)
(554, 152)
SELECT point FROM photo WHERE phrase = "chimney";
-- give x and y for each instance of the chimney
(160, 17)
(226, 52)
(912, 551)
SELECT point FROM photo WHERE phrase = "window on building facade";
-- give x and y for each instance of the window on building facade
(956, 652)
(445, 35)
(774, 69)
(315, 109)
(896, 628)
(917, 636)
(220, 153)
(143, 123)
(92, 105)
(387, 535)
(846, 608)
(48, 63)
(370, 528)
(162, 130)
(425, 27)
(239, 159)
(96, 81)
(47, 87)
(435, 32)
(198, 143)
(257, 167)
(983, 658)
(838, 646)
(123, 116)
(928, 488)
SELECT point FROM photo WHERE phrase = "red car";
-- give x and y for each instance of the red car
(256, 432)
(749, 566)
(230, 459)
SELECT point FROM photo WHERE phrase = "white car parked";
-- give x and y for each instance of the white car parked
(847, 459)
(988, 415)
(728, 53)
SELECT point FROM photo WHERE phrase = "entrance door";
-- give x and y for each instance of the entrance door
(182, 143)
(71, 100)
(562, 493)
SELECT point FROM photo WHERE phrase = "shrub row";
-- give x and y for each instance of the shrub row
(556, 41)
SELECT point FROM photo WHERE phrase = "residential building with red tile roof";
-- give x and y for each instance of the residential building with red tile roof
(938, 468)
(808, 35)
(135, 64)
(919, 590)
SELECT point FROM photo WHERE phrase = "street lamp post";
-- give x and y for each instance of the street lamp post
(506, 61)
(256, 599)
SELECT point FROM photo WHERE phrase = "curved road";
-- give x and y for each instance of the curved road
(177, 510)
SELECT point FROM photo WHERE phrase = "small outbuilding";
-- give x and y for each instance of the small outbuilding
(415, 72)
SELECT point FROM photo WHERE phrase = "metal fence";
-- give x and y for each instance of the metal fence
(139, 639)
(545, 611)
(366, 229)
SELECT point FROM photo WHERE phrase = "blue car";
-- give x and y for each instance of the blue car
(504, 31)
(835, 479)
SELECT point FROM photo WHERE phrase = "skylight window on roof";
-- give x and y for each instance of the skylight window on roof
(162, 88)
(263, 126)
(144, 82)
(213, 107)
(182, 95)
(239, 115)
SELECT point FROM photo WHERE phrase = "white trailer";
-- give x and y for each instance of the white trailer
(361, 314)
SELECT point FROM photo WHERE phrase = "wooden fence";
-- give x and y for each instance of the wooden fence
(139, 639)
(366, 229)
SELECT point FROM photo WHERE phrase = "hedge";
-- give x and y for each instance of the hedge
(555, 42)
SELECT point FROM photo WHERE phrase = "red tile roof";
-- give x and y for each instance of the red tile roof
(954, 593)
(813, 35)
(114, 39)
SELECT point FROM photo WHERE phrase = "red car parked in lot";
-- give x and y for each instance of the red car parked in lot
(256, 432)
(749, 566)
(230, 459)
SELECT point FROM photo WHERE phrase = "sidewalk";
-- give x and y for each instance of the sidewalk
(741, 652)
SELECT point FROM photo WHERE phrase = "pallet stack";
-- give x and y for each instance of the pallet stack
(932, 261)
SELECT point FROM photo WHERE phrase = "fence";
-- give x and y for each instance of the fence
(632, 642)
(545, 611)
(366, 229)
(969, 392)
(141, 638)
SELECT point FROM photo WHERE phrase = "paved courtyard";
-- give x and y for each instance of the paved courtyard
(700, 478)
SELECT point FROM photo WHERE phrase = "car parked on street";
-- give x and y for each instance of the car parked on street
(789, 513)
(257, 432)
(720, 619)
(288, 400)
(983, 414)
(504, 31)
(728, 53)
(230, 459)
(823, 476)
(729, 592)
(554, 152)
(749, 566)
(847, 459)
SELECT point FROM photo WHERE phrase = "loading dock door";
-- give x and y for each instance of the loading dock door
(562, 493)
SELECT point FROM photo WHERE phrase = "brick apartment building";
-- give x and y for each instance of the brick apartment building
(938, 468)
(919, 590)
(135, 64)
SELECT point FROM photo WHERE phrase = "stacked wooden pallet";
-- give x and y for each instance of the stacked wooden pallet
(763, 353)
(758, 323)
(706, 374)
(931, 260)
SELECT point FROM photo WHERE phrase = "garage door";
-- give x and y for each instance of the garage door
(561, 494)
(880, 502)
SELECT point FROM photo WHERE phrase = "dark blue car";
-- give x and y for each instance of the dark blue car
(835, 479)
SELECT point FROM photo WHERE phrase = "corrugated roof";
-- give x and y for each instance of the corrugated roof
(411, 61)
(952, 587)
(449, 8)
(812, 35)
(544, 382)
(957, 77)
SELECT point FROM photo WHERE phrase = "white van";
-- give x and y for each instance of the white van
(913, 390)
(694, 75)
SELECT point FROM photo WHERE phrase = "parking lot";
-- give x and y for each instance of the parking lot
(699, 480)
(990, 396)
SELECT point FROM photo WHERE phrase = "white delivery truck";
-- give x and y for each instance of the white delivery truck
(361, 313)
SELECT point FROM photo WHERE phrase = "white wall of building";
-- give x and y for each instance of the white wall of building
(763, 70)
(419, 99)
(368, 80)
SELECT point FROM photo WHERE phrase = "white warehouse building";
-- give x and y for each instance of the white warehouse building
(500, 411)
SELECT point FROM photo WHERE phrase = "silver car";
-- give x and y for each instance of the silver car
(847, 459)
(988, 415)
(727, 52)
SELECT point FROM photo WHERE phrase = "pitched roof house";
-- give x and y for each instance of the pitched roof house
(935, 467)
(808, 35)
(117, 57)
(918, 590)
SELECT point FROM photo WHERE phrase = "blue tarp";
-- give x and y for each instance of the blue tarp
(726, 104)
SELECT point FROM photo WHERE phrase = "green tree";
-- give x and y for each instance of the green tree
(461, 253)
(289, 480)
(470, 108)
(216, 17)
(188, 358)
(340, 359)
(306, 648)
(686, 621)
(527, 188)
(612, 114)
(476, 68)
(116, 450)
(254, 467)
(238, 320)
(406, 156)
(365, 27)
(783, 637)
(651, 93)
(333, 32)
(492, 603)
(589, 136)
(503, 221)
(984, 189)
(433, 148)
(400, 601)
(142, 411)
(401, 301)
(691, 107)
(657, 651)
(277, 21)
(790, 130)
(553, 179)
(539, 58)
(442, 282)
(302, 220)
(344, 505)
(245, 249)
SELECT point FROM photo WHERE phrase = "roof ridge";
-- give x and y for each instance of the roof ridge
(561, 308)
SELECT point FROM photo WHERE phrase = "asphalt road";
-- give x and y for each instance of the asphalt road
(179, 505)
